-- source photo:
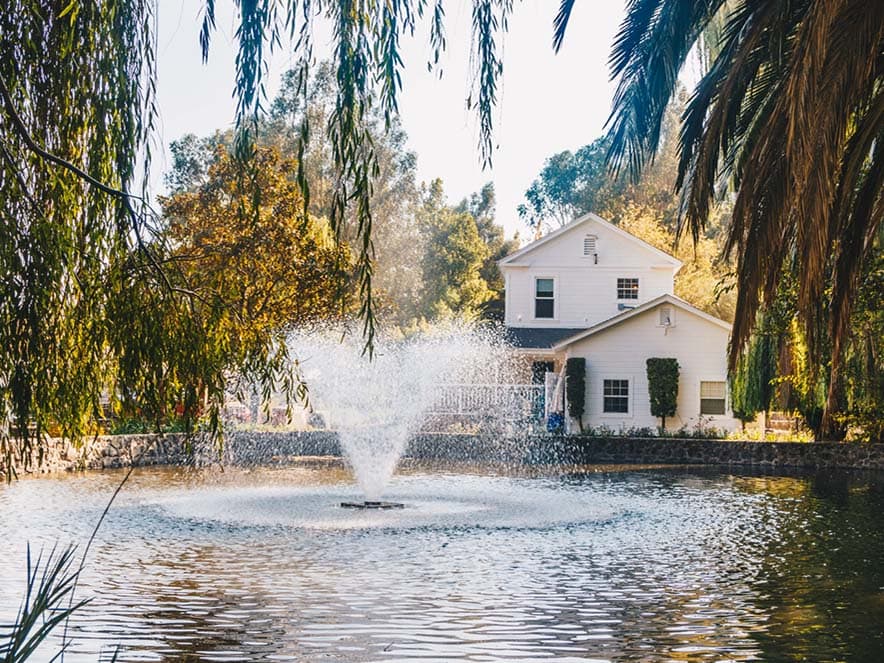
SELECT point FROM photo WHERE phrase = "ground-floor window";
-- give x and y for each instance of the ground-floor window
(712, 397)
(616, 396)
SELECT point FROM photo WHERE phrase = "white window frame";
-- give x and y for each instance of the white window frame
(630, 413)
(638, 293)
(555, 299)
(727, 394)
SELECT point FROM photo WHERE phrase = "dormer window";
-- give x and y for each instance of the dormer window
(589, 245)
(627, 288)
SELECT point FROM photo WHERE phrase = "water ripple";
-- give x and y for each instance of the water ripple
(620, 566)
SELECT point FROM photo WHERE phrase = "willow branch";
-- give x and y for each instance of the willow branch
(23, 133)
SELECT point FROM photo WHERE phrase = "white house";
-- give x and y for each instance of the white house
(593, 290)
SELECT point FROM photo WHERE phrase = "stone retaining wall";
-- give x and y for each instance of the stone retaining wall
(816, 455)
(103, 452)
(269, 448)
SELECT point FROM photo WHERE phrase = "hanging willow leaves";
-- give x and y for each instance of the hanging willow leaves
(76, 109)
(96, 303)
(368, 70)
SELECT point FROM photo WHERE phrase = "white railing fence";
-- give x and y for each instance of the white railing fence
(509, 401)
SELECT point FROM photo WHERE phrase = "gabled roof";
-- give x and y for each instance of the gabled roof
(638, 310)
(579, 221)
(539, 337)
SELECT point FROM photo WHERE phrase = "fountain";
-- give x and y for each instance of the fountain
(376, 405)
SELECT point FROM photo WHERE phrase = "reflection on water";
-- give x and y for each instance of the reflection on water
(648, 565)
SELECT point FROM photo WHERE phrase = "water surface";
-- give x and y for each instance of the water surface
(649, 564)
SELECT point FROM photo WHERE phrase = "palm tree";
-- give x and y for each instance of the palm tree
(789, 119)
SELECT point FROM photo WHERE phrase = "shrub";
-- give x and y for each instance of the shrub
(663, 387)
(575, 385)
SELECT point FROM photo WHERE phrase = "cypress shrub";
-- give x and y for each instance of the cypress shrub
(663, 387)
(575, 385)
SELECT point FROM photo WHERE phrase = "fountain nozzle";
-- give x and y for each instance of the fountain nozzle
(371, 504)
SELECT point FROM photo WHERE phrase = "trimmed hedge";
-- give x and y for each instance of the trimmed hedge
(663, 387)
(575, 385)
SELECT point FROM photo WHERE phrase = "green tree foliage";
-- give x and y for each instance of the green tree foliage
(752, 383)
(863, 382)
(273, 267)
(663, 387)
(76, 109)
(787, 116)
(570, 184)
(482, 207)
(575, 385)
(397, 245)
(454, 257)
(860, 387)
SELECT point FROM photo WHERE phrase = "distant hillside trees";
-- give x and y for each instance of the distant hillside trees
(430, 259)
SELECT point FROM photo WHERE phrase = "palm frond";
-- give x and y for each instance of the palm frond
(649, 51)
(787, 116)
(560, 23)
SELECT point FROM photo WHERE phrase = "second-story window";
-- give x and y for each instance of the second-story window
(627, 288)
(544, 298)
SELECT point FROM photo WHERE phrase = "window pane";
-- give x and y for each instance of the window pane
(712, 390)
(543, 308)
(616, 387)
(539, 369)
(616, 396)
(544, 287)
(627, 288)
(616, 404)
(712, 406)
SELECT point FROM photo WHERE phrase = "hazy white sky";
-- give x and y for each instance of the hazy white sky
(549, 102)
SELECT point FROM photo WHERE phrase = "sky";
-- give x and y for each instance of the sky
(549, 102)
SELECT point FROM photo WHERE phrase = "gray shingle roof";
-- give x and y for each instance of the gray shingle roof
(539, 337)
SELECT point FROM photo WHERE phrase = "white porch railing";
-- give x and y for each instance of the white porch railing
(476, 400)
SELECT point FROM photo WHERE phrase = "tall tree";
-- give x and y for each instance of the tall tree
(397, 244)
(482, 205)
(571, 184)
(273, 270)
(453, 261)
(76, 109)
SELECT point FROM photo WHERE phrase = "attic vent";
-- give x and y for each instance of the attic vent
(589, 245)
(667, 316)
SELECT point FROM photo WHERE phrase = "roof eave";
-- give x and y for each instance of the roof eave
(638, 310)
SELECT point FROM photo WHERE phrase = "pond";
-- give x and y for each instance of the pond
(606, 564)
